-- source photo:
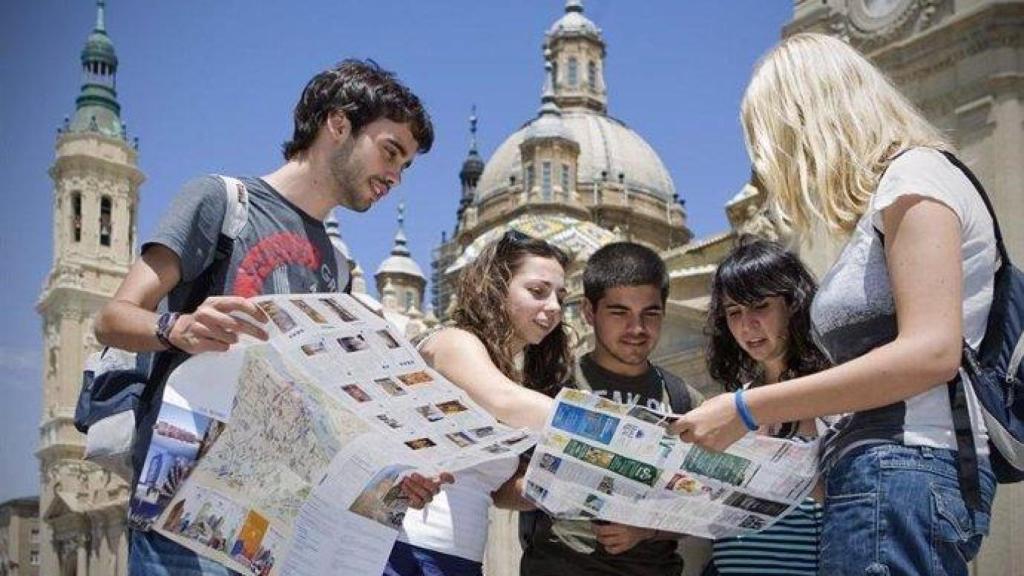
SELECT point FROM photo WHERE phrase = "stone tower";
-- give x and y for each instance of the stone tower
(95, 201)
(400, 281)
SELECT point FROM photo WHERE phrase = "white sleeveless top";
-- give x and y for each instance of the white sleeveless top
(455, 521)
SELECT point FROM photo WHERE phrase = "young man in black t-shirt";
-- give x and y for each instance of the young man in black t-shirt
(626, 287)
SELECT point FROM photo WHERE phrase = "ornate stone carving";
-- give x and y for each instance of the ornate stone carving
(759, 223)
(869, 24)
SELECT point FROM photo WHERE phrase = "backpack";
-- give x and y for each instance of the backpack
(995, 373)
(115, 383)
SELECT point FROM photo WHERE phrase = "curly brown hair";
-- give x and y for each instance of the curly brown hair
(480, 309)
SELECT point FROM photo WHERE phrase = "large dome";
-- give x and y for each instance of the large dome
(606, 145)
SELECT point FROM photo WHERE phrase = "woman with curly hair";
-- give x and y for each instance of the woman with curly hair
(908, 483)
(758, 329)
(507, 330)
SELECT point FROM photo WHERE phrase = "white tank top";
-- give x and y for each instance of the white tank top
(455, 521)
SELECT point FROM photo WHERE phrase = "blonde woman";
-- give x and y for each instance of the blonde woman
(834, 142)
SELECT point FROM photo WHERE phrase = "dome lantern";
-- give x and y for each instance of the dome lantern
(578, 51)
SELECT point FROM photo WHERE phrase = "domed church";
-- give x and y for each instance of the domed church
(581, 178)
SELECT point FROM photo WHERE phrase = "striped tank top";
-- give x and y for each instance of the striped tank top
(790, 546)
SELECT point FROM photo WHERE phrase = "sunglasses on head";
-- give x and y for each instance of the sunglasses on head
(514, 237)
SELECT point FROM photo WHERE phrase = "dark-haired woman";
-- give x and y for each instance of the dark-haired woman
(508, 314)
(759, 328)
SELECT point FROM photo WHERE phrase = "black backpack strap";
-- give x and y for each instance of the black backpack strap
(1003, 254)
(678, 396)
(966, 454)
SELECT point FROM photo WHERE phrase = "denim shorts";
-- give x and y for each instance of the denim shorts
(150, 554)
(893, 509)
(409, 560)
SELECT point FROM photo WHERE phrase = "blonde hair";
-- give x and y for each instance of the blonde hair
(821, 125)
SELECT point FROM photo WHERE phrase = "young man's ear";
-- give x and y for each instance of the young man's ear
(588, 311)
(338, 125)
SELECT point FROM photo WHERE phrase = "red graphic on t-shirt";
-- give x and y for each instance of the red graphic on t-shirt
(282, 249)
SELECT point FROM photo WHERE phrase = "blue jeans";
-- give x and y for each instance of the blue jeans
(150, 554)
(408, 560)
(893, 509)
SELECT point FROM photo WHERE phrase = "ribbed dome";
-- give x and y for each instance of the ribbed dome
(605, 145)
(400, 265)
(574, 22)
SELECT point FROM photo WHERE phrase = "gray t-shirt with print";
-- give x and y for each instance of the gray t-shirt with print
(281, 250)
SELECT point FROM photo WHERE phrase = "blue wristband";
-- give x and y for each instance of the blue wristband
(745, 415)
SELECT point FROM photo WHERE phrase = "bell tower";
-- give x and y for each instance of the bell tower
(95, 204)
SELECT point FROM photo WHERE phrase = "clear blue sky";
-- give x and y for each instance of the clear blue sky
(209, 87)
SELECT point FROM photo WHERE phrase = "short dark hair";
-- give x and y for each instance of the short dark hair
(754, 270)
(623, 264)
(364, 92)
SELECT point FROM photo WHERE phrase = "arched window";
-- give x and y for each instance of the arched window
(76, 216)
(546, 180)
(573, 73)
(409, 298)
(592, 75)
(105, 210)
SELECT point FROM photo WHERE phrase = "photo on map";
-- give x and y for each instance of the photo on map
(338, 310)
(179, 437)
(684, 484)
(382, 500)
(390, 386)
(420, 443)
(414, 378)
(309, 311)
(392, 423)
(206, 517)
(430, 412)
(388, 339)
(357, 393)
(353, 343)
(496, 449)
(460, 439)
(250, 536)
(282, 319)
(452, 407)
(483, 431)
(314, 348)
(550, 462)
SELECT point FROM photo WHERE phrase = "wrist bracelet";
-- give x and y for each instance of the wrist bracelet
(164, 325)
(744, 411)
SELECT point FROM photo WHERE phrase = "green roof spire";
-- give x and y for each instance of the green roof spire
(97, 108)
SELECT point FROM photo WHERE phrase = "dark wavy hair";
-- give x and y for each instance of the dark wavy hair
(757, 269)
(480, 308)
(364, 92)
